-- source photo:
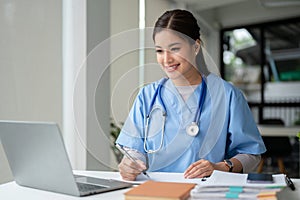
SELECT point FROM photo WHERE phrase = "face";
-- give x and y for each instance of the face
(177, 58)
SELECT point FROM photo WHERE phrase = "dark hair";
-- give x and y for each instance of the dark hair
(185, 25)
(181, 21)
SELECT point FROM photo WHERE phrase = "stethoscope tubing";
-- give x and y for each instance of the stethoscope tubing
(157, 94)
(201, 101)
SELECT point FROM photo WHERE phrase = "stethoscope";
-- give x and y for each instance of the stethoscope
(191, 129)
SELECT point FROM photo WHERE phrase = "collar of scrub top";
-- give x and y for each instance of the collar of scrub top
(191, 130)
(157, 94)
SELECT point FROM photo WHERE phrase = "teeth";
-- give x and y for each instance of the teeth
(173, 66)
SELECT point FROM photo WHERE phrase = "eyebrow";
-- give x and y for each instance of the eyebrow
(170, 45)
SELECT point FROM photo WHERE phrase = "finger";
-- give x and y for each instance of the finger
(196, 171)
(204, 168)
(141, 164)
(194, 166)
(201, 173)
(138, 165)
(128, 176)
(128, 173)
(129, 170)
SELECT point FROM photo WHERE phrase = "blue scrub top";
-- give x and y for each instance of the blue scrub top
(227, 127)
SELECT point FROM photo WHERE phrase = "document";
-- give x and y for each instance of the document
(218, 178)
(230, 179)
(164, 177)
(224, 185)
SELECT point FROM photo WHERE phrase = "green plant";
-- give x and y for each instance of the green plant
(298, 135)
(297, 121)
(114, 133)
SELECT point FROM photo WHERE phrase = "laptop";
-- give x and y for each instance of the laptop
(38, 159)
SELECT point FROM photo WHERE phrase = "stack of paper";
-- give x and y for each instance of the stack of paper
(224, 185)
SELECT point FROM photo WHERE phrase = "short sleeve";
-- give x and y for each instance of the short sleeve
(243, 137)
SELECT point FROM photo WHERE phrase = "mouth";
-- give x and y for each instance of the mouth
(171, 68)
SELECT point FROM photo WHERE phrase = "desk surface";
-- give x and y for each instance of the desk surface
(12, 191)
(269, 130)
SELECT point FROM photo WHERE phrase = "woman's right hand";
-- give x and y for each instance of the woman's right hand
(129, 170)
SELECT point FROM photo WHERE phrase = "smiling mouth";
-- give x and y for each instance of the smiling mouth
(171, 68)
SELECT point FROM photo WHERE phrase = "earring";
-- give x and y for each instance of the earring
(196, 49)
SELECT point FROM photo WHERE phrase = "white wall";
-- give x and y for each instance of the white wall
(98, 85)
(30, 64)
(74, 45)
(124, 23)
(154, 9)
(86, 83)
(125, 68)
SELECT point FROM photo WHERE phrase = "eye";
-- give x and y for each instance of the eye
(175, 49)
(158, 51)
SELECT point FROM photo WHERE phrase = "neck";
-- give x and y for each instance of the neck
(194, 79)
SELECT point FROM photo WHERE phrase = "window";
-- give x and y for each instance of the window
(263, 60)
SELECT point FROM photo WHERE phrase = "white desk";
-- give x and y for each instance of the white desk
(269, 130)
(12, 191)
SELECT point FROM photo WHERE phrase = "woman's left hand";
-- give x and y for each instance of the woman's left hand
(201, 168)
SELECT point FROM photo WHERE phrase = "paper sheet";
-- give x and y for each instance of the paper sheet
(218, 178)
(230, 179)
(164, 176)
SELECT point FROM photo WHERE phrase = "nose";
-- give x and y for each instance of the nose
(167, 57)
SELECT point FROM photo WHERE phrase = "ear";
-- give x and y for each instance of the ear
(197, 46)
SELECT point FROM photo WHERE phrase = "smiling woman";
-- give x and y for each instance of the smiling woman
(192, 121)
(177, 58)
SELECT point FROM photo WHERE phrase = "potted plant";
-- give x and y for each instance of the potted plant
(114, 133)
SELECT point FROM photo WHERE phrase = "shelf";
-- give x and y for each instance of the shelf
(271, 130)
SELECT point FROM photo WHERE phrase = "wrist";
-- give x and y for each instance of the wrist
(229, 164)
(221, 166)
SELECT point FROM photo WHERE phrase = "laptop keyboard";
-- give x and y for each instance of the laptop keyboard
(83, 187)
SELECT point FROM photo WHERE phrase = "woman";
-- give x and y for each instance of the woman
(197, 121)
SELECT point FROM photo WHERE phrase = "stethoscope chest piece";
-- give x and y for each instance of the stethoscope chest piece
(192, 129)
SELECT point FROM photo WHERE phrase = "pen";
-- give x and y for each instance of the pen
(289, 182)
(124, 152)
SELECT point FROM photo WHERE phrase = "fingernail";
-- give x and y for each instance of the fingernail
(142, 167)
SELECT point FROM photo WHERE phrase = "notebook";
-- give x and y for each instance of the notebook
(160, 190)
(38, 159)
